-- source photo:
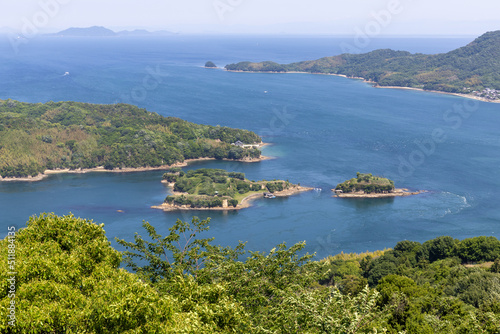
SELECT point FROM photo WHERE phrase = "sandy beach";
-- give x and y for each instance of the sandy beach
(186, 162)
(38, 177)
(468, 96)
(48, 172)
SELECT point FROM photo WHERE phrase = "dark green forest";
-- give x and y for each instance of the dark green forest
(35, 137)
(69, 279)
(472, 69)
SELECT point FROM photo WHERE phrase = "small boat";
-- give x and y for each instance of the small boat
(269, 195)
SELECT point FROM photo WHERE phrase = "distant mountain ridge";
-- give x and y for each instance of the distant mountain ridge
(91, 31)
(473, 69)
(98, 31)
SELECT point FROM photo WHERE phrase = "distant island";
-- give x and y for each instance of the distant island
(217, 189)
(210, 64)
(39, 139)
(90, 32)
(472, 71)
(98, 31)
(367, 185)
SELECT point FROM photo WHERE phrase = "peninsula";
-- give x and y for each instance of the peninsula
(369, 186)
(40, 139)
(217, 189)
(471, 71)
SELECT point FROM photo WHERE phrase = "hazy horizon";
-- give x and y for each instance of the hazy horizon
(292, 17)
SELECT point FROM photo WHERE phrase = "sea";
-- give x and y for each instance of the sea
(321, 130)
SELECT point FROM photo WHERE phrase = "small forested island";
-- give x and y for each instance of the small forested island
(210, 64)
(367, 185)
(38, 139)
(217, 189)
(472, 70)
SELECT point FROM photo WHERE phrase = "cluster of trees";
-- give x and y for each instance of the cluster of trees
(36, 137)
(20, 170)
(68, 279)
(237, 153)
(429, 287)
(244, 187)
(236, 175)
(277, 186)
(472, 67)
(173, 174)
(367, 183)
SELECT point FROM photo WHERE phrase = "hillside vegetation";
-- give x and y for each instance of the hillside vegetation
(67, 279)
(472, 69)
(36, 137)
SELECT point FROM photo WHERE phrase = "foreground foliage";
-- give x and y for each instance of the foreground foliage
(36, 137)
(68, 280)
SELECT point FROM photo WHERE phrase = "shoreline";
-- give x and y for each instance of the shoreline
(245, 202)
(467, 96)
(101, 169)
(397, 193)
(375, 85)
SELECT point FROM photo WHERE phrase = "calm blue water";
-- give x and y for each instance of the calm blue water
(323, 129)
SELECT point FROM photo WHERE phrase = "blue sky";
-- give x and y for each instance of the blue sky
(347, 17)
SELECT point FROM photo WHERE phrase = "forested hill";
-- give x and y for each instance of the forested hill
(472, 69)
(36, 137)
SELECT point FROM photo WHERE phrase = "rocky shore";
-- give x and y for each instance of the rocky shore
(396, 193)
